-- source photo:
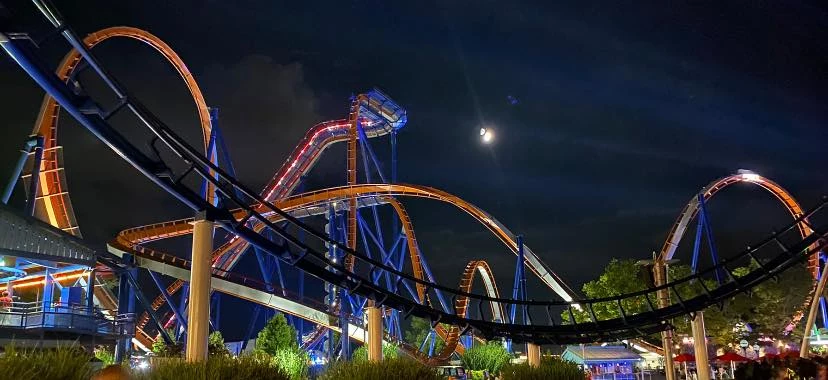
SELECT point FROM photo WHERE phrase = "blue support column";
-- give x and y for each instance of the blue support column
(251, 326)
(179, 318)
(216, 314)
(90, 291)
(519, 289)
(694, 263)
(344, 338)
(48, 289)
(332, 228)
(711, 242)
(34, 184)
(181, 329)
(704, 226)
(18, 168)
(126, 305)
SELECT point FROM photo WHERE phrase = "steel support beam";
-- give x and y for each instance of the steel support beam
(812, 312)
(533, 354)
(373, 315)
(660, 277)
(198, 313)
(35, 180)
(18, 168)
(700, 347)
(125, 307)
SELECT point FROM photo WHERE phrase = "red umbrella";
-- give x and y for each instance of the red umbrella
(732, 357)
(684, 358)
(789, 354)
(770, 356)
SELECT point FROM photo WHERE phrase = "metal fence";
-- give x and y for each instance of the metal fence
(66, 318)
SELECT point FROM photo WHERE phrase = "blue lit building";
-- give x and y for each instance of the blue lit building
(607, 362)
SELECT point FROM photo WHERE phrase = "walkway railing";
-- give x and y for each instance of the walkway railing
(64, 317)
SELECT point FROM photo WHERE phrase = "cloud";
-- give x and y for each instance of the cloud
(264, 110)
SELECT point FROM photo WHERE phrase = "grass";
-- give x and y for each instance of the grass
(216, 368)
(65, 363)
(550, 368)
(490, 357)
(397, 369)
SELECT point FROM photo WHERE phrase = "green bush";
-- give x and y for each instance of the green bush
(64, 363)
(475, 375)
(550, 368)
(293, 362)
(276, 335)
(389, 351)
(172, 350)
(215, 344)
(216, 368)
(397, 369)
(106, 355)
(490, 357)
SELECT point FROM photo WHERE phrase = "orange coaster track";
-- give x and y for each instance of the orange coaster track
(53, 203)
(133, 238)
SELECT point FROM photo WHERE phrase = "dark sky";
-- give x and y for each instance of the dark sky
(624, 112)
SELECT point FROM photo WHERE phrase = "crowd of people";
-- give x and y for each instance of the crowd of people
(788, 368)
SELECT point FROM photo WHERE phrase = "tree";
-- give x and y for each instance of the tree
(277, 334)
(417, 332)
(766, 312)
(772, 303)
(277, 344)
(215, 344)
(174, 349)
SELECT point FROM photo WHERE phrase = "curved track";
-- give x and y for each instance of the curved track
(692, 208)
(302, 203)
(786, 252)
(54, 205)
(380, 118)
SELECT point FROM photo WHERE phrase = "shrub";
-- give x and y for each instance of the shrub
(105, 355)
(293, 362)
(389, 351)
(475, 375)
(550, 368)
(172, 350)
(216, 368)
(215, 344)
(490, 357)
(397, 369)
(63, 363)
(276, 335)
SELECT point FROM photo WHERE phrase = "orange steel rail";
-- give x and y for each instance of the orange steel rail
(692, 209)
(134, 237)
(452, 336)
(353, 119)
(55, 206)
(144, 234)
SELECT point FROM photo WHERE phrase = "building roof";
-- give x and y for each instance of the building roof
(599, 354)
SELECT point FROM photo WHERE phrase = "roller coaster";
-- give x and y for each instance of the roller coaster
(354, 259)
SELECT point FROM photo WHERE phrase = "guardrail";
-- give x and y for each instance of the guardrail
(64, 317)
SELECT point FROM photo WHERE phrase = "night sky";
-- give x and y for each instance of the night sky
(623, 112)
